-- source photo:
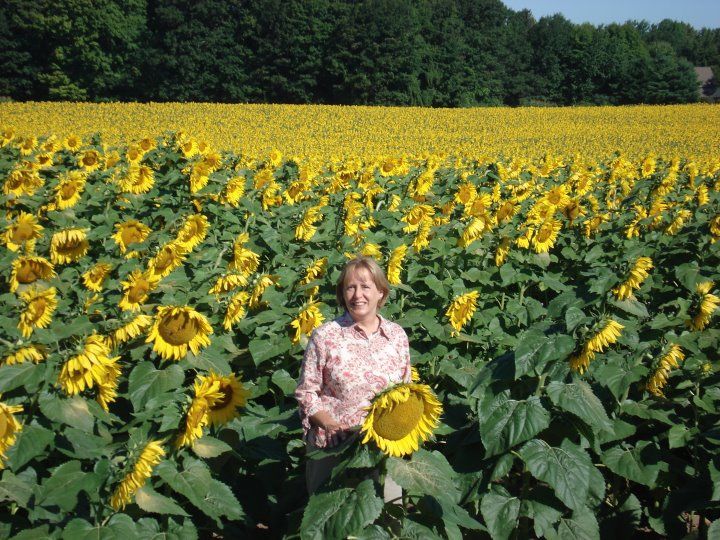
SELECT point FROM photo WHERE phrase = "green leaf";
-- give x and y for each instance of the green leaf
(64, 484)
(713, 532)
(341, 513)
(12, 377)
(194, 482)
(145, 382)
(119, 527)
(72, 411)
(579, 399)
(573, 317)
(511, 422)
(541, 505)
(500, 511)
(18, 488)
(151, 501)
(679, 436)
(631, 306)
(267, 347)
(33, 534)
(30, 443)
(374, 532)
(639, 464)
(209, 447)
(565, 469)
(425, 473)
(284, 381)
(582, 526)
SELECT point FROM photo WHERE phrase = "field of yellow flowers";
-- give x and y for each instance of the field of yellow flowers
(326, 132)
(557, 276)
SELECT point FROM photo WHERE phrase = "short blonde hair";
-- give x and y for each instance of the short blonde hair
(377, 273)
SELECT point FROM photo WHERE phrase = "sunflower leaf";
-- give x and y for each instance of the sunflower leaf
(510, 422)
(62, 488)
(579, 399)
(500, 511)
(146, 382)
(151, 501)
(639, 464)
(341, 513)
(566, 469)
(425, 473)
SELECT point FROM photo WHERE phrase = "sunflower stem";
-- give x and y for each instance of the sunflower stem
(541, 384)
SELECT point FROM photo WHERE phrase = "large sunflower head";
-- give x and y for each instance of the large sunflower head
(24, 230)
(68, 246)
(139, 179)
(38, 309)
(130, 232)
(177, 328)
(136, 289)
(29, 269)
(96, 275)
(224, 408)
(193, 231)
(9, 427)
(89, 160)
(22, 181)
(401, 418)
(69, 190)
(168, 258)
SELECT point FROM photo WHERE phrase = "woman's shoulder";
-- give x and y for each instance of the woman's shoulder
(329, 327)
(392, 327)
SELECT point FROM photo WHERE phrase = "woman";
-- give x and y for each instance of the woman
(347, 362)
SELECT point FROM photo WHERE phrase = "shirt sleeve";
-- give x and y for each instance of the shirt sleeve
(310, 383)
(405, 356)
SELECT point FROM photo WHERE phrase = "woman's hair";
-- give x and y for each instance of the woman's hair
(377, 273)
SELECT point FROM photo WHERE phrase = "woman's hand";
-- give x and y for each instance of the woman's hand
(335, 432)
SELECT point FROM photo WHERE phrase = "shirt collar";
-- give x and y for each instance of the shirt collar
(347, 324)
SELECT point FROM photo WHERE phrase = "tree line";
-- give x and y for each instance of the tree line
(439, 53)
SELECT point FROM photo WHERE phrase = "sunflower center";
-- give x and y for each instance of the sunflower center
(137, 291)
(223, 402)
(396, 423)
(69, 246)
(178, 329)
(89, 159)
(36, 309)
(26, 273)
(4, 424)
(22, 231)
(544, 233)
(130, 234)
(164, 259)
(68, 190)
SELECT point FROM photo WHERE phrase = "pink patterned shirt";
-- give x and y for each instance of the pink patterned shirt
(344, 369)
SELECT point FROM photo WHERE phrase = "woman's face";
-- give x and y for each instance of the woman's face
(361, 295)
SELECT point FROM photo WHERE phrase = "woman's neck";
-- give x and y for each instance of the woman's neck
(369, 324)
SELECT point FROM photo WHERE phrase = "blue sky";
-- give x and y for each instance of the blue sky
(698, 13)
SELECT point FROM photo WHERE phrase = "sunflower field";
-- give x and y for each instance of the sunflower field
(157, 295)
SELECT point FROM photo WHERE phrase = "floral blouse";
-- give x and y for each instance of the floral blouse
(344, 369)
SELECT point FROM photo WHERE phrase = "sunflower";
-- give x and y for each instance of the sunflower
(234, 191)
(139, 179)
(151, 455)
(193, 231)
(89, 160)
(168, 258)
(90, 367)
(9, 428)
(44, 160)
(112, 158)
(475, 229)
(502, 251)
(177, 328)
(394, 203)
(27, 145)
(546, 235)
(262, 283)
(466, 193)
(313, 272)
(638, 274)
(671, 359)
(72, 143)
(706, 305)
(136, 289)
(228, 283)
(401, 418)
(68, 246)
(395, 264)
(207, 393)
(23, 231)
(199, 177)
(307, 227)
(235, 309)
(107, 387)
(647, 167)
(38, 309)
(26, 353)
(462, 309)
(22, 181)
(715, 229)
(224, 409)
(129, 330)
(69, 190)
(506, 211)
(244, 260)
(422, 238)
(28, 269)
(307, 320)
(146, 144)
(606, 336)
(130, 232)
(96, 276)
(7, 134)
